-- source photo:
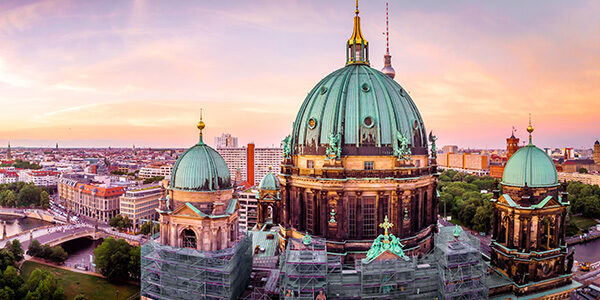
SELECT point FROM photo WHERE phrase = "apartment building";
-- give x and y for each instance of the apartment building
(40, 177)
(154, 170)
(140, 204)
(248, 209)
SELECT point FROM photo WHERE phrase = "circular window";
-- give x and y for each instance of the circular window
(368, 122)
(312, 123)
(365, 87)
(323, 90)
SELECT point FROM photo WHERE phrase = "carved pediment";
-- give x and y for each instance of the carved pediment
(188, 210)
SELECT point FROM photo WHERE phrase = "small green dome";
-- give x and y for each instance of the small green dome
(365, 107)
(200, 168)
(530, 166)
(269, 182)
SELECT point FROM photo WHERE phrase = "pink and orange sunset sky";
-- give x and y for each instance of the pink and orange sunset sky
(117, 73)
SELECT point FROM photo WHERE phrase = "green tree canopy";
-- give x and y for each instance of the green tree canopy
(29, 195)
(112, 259)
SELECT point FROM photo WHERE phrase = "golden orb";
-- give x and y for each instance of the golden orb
(200, 125)
(530, 128)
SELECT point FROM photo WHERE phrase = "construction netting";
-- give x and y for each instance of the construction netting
(184, 273)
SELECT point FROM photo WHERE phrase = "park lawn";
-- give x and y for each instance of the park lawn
(583, 223)
(74, 283)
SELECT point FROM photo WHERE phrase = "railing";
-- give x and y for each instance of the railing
(335, 173)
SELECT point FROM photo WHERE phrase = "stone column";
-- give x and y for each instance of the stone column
(511, 230)
(359, 220)
(394, 213)
(173, 236)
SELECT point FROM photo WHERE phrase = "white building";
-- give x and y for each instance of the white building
(248, 207)
(226, 141)
(8, 176)
(235, 158)
(140, 204)
(39, 177)
(265, 158)
(257, 166)
(154, 170)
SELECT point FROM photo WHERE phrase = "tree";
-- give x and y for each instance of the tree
(146, 228)
(153, 179)
(29, 195)
(6, 258)
(120, 222)
(482, 221)
(591, 207)
(7, 198)
(12, 279)
(112, 259)
(44, 200)
(42, 285)
(16, 249)
(35, 248)
(58, 255)
(135, 262)
(582, 170)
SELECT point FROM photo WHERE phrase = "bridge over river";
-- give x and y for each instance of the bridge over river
(58, 234)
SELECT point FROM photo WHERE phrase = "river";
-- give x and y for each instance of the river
(18, 225)
(588, 252)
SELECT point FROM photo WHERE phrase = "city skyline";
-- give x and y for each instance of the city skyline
(123, 73)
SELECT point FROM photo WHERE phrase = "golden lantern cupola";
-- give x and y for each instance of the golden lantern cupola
(357, 48)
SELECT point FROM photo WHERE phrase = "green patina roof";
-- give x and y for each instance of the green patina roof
(269, 182)
(200, 168)
(530, 166)
(342, 101)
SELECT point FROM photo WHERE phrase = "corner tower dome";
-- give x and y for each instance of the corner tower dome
(530, 166)
(200, 168)
(363, 109)
(269, 182)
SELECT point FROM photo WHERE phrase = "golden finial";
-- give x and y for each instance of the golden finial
(386, 225)
(530, 128)
(200, 126)
(356, 11)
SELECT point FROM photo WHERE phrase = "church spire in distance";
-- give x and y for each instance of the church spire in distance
(357, 47)
(387, 58)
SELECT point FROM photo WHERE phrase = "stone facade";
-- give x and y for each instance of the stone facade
(343, 200)
(528, 238)
(203, 220)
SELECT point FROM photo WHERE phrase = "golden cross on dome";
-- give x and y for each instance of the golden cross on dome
(386, 225)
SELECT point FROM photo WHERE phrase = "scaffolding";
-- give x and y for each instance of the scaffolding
(459, 265)
(304, 268)
(184, 273)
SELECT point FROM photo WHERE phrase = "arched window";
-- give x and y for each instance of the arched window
(503, 234)
(547, 234)
(189, 239)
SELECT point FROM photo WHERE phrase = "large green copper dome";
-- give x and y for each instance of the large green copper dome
(530, 166)
(200, 168)
(365, 107)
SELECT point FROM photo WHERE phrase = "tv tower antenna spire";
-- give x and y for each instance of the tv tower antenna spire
(387, 58)
(387, 31)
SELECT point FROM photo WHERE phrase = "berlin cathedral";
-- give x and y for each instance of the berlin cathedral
(357, 187)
